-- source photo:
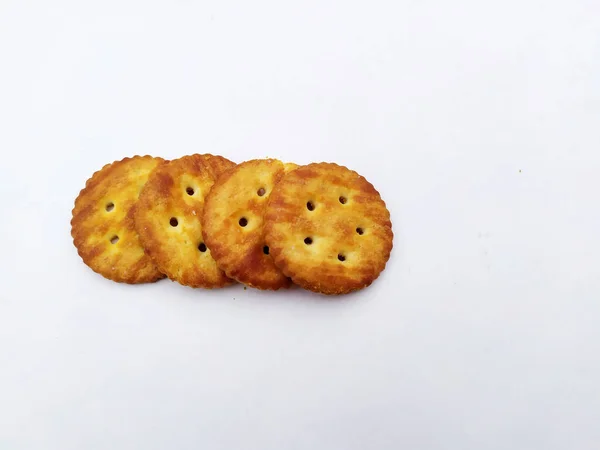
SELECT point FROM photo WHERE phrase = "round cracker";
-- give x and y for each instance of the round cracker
(232, 223)
(328, 229)
(168, 219)
(102, 225)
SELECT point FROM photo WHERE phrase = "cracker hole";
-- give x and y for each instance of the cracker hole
(110, 206)
(202, 247)
(189, 190)
(310, 206)
(343, 200)
(266, 249)
(114, 239)
(174, 222)
(261, 192)
(341, 257)
(308, 240)
(359, 230)
(243, 222)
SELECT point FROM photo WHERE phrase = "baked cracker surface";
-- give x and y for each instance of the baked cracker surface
(168, 219)
(328, 229)
(102, 225)
(232, 223)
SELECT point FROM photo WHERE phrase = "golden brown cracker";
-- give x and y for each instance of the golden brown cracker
(168, 219)
(102, 225)
(328, 229)
(232, 223)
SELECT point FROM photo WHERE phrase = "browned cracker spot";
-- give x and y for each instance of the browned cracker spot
(328, 229)
(168, 219)
(232, 223)
(103, 228)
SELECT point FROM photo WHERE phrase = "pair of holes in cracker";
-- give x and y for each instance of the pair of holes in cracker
(311, 206)
(308, 241)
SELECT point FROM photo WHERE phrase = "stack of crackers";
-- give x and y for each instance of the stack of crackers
(206, 222)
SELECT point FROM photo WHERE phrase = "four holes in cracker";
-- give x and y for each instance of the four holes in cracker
(311, 207)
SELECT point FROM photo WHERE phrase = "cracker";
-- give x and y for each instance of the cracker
(168, 219)
(328, 229)
(232, 223)
(102, 225)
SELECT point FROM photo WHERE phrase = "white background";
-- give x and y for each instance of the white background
(479, 123)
